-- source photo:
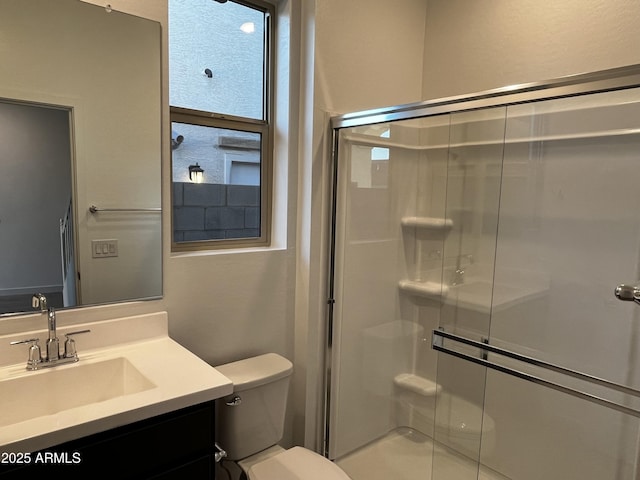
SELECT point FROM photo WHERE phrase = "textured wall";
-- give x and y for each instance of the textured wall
(474, 46)
(368, 53)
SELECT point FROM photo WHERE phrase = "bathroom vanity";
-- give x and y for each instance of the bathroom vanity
(178, 444)
(135, 405)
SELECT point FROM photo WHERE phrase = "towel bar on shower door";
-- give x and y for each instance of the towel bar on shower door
(438, 344)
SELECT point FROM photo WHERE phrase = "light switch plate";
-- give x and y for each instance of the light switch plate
(104, 248)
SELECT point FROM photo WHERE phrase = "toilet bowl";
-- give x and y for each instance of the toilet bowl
(251, 423)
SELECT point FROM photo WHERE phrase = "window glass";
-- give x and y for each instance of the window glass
(221, 139)
(217, 57)
(216, 150)
(223, 200)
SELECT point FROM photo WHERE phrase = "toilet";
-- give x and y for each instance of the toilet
(251, 423)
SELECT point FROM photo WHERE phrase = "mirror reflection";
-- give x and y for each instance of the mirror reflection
(80, 126)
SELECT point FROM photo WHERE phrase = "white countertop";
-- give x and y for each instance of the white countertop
(178, 379)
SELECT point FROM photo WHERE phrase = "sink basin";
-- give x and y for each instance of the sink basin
(129, 370)
(47, 392)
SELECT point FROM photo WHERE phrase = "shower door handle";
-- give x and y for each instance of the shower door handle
(628, 293)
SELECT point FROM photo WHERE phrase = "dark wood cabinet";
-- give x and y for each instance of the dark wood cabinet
(178, 445)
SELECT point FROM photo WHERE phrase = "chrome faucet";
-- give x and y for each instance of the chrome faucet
(53, 344)
(52, 357)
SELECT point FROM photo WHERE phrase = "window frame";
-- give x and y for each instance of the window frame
(242, 124)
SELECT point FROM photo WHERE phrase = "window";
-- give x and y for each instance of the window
(221, 137)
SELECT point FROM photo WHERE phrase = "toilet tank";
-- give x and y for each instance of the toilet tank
(255, 421)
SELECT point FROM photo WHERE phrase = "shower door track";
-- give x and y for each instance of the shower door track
(438, 344)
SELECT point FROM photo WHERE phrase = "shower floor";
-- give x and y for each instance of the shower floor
(406, 454)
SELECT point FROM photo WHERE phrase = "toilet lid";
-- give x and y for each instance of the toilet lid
(297, 463)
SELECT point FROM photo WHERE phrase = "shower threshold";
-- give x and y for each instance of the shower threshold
(407, 454)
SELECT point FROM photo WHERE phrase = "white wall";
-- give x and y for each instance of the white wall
(368, 53)
(484, 44)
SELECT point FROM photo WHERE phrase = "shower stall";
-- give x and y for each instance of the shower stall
(477, 244)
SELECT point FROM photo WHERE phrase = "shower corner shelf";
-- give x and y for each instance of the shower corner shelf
(433, 223)
(431, 290)
(416, 384)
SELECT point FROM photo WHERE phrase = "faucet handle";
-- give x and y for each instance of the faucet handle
(77, 332)
(30, 340)
(70, 343)
(35, 355)
(39, 301)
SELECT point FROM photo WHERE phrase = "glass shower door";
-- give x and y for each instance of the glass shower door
(390, 229)
(474, 169)
(568, 232)
(478, 244)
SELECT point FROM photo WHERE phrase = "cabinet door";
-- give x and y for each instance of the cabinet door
(151, 448)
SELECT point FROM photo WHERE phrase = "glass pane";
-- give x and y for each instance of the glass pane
(217, 57)
(216, 183)
(569, 234)
(473, 198)
(390, 231)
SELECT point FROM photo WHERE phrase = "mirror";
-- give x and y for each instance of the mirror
(80, 126)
